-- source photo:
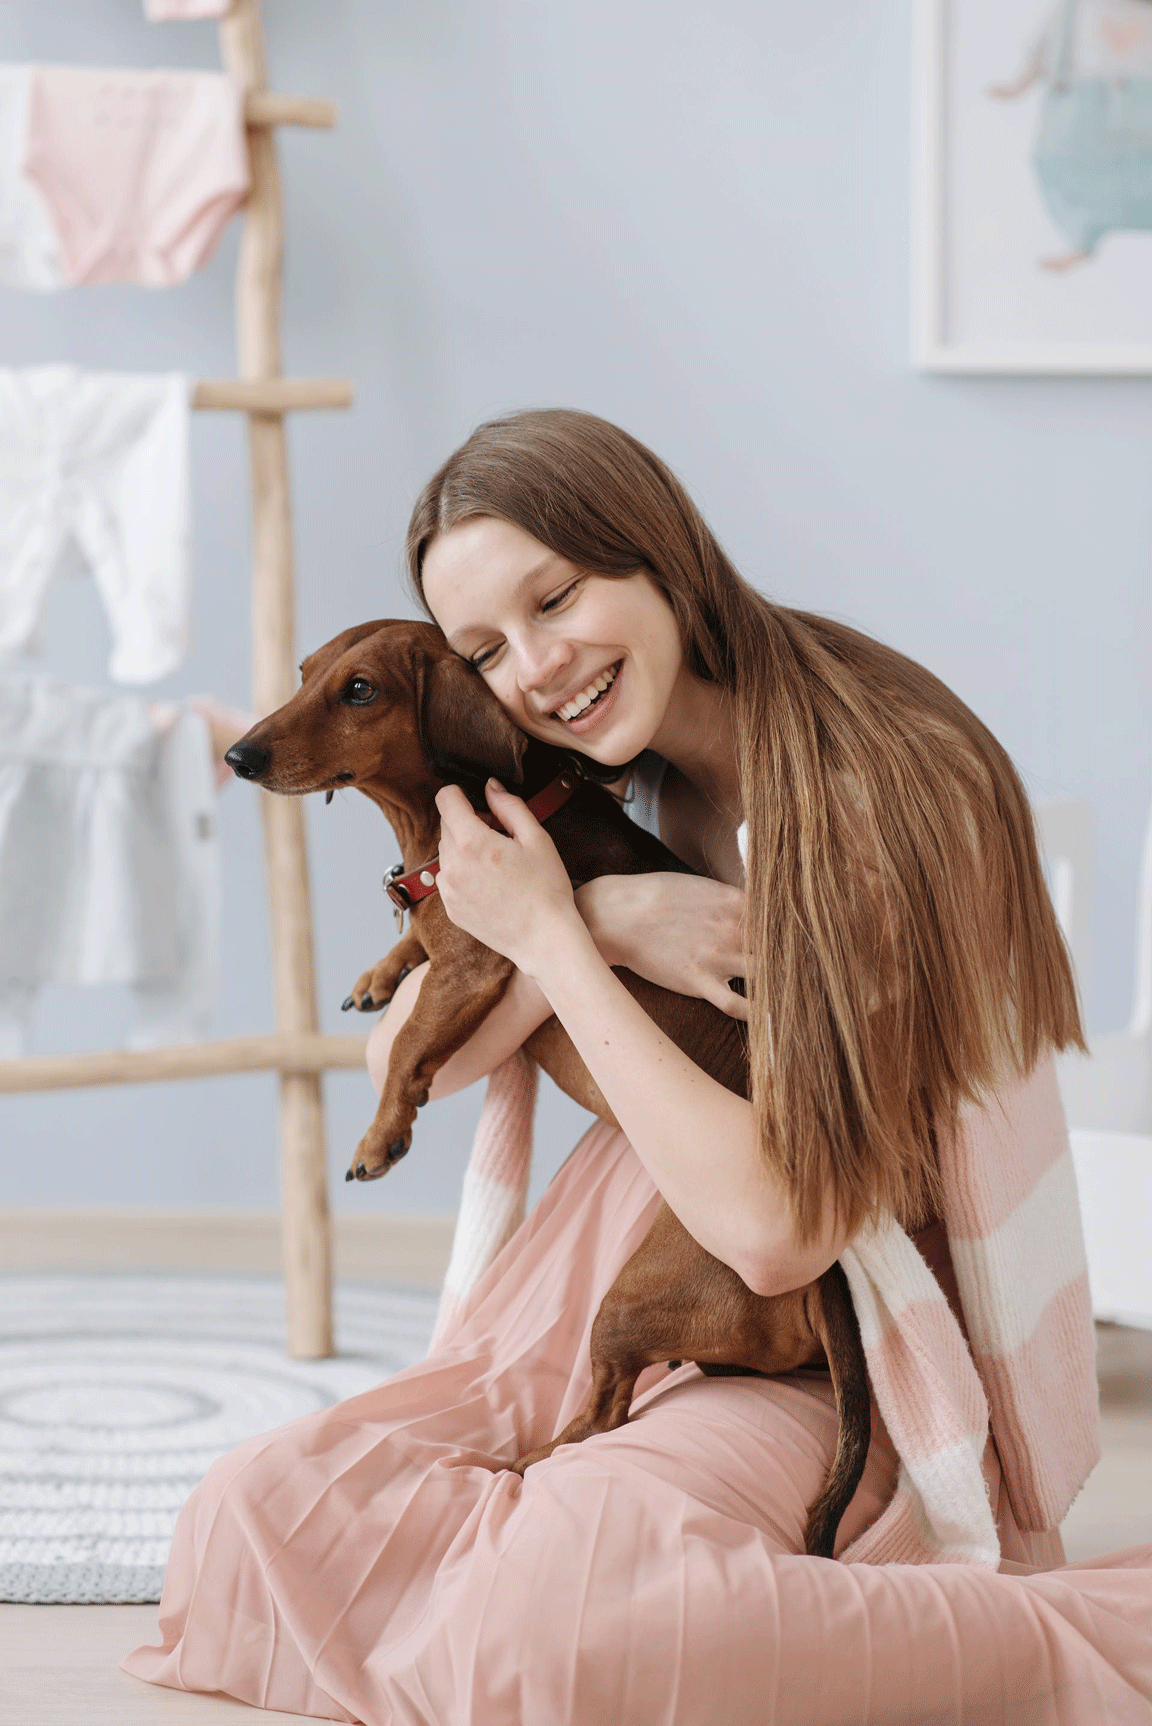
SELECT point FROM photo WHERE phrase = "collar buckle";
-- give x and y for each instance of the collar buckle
(398, 893)
(396, 889)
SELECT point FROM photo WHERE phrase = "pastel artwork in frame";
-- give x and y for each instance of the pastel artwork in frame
(1033, 186)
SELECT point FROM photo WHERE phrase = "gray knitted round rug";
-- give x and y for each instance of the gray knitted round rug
(118, 1392)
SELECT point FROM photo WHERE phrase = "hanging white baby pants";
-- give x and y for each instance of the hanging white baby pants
(97, 461)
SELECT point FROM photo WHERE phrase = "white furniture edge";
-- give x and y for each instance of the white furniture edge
(1114, 1179)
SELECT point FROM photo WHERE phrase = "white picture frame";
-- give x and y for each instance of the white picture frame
(983, 301)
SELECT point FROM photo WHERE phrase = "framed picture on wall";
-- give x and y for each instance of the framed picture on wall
(1033, 186)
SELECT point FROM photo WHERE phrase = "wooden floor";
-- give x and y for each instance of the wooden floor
(59, 1667)
(1115, 1507)
(59, 1664)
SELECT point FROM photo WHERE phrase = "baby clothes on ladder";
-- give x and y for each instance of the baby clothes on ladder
(108, 856)
(141, 171)
(98, 459)
(160, 10)
(180, 1007)
(29, 249)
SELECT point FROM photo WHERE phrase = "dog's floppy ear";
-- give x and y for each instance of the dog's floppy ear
(464, 728)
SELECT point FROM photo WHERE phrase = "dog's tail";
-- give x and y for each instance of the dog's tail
(834, 1321)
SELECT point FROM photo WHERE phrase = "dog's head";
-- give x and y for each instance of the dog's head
(386, 707)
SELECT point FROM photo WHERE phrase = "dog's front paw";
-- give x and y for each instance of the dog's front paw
(377, 1152)
(376, 987)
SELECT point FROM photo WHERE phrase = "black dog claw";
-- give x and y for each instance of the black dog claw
(350, 1002)
(349, 1174)
(397, 1149)
(367, 1005)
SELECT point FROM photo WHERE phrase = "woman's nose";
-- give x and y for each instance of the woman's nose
(540, 663)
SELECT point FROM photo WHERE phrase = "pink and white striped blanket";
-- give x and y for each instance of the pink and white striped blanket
(1013, 1225)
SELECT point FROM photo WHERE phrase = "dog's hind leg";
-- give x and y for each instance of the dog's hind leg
(643, 1320)
(613, 1382)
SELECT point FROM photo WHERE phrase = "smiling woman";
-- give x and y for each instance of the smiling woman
(906, 986)
(897, 923)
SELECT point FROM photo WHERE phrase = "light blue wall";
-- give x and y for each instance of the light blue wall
(694, 221)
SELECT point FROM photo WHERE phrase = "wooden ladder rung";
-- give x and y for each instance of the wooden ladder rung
(271, 395)
(267, 108)
(278, 1052)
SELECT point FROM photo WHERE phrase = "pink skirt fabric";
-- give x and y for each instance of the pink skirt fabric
(377, 1563)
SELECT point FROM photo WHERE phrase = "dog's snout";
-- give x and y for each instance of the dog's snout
(248, 760)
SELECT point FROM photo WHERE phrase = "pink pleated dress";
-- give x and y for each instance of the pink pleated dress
(377, 1563)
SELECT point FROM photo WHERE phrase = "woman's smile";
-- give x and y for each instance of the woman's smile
(584, 709)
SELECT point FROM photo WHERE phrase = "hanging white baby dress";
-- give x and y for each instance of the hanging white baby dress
(109, 865)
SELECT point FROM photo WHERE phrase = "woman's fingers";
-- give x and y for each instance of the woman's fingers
(457, 817)
(460, 821)
(504, 883)
(512, 812)
(452, 803)
(728, 1001)
(684, 932)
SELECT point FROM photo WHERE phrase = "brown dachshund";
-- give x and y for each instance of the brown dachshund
(390, 709)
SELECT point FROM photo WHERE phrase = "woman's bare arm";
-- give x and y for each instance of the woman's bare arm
(514, 1018)
(682, 931)
(668, 1107)
(699, 1142)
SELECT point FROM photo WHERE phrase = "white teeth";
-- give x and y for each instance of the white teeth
(587, 696)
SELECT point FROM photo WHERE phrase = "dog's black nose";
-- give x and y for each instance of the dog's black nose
(248, 760)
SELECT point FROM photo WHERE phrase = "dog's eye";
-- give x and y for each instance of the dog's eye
(359, 692)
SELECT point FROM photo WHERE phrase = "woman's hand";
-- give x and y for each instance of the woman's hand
(510, 890)
(685, 932)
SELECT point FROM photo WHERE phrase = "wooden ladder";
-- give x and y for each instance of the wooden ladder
(295, 1050)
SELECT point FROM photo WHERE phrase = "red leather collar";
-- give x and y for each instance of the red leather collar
(408, 890)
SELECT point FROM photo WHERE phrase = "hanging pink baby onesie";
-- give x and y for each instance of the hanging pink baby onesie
(161, 10)
(29, 249)
(140, 171)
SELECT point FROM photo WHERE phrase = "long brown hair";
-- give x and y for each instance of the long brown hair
(903, 955)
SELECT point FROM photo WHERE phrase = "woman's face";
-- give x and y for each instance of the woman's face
(579, 660)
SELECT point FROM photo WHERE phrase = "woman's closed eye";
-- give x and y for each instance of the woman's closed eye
(557, 599)
(552, 602)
